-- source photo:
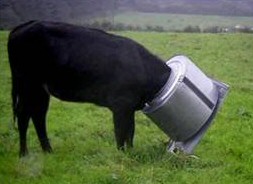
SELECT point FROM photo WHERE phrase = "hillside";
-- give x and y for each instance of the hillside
(17, 11)
(13, 12)
(205, 7)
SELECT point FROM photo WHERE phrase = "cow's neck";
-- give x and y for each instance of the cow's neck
(158, 74)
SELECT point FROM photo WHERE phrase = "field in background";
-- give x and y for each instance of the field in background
(181, 21)
(82, 134)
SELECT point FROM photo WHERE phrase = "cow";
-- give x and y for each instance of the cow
(79, 64)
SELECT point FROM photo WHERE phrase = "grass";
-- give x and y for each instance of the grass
(180, 21)
(82, 134)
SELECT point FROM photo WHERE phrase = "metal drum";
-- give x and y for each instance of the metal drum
(186, 102)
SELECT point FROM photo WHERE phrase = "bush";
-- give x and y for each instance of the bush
(159, 29)
(244, 30)
(119, 27)
(108, 26)
(214, 29)
(192, 29)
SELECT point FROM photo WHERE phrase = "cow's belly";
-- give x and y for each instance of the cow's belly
(64, 94)
(77, 94)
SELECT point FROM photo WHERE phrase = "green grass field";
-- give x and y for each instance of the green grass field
(180, 21)
(82, 134)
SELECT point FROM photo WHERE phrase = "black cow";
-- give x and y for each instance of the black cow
(79, 64)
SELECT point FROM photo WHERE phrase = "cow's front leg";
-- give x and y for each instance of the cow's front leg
(124, 128)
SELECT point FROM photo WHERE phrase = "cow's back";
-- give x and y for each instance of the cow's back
(83, 64)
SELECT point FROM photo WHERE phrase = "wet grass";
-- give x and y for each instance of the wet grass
(82, 134)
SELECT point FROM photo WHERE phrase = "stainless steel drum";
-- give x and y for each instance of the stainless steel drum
(186, 102)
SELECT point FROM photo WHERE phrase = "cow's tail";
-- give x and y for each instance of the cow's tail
(14, 96)
(14, 90)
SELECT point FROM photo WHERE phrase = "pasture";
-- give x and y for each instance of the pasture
(82, 134)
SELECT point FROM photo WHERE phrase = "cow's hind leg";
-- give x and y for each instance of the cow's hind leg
(124, 128)
(40, 106)
(23, 120)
